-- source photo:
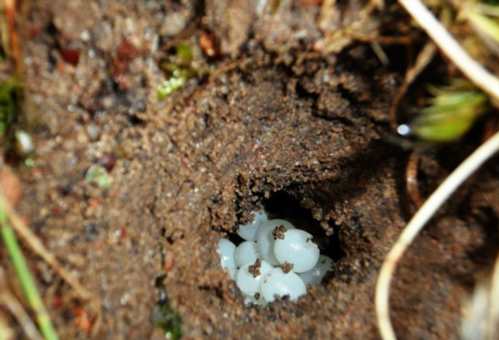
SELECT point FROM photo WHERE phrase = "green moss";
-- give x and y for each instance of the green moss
(183, 53)
(168, 320)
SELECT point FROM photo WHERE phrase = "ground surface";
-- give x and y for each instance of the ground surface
(273, 123)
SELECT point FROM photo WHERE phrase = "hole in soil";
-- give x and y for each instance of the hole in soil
(283, 205)
(284, 250)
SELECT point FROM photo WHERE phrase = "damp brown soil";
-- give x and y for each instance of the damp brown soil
(301, 133)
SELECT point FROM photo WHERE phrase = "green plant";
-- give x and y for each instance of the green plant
(168, 320)
(179, 68)
(453, 110)
(25, 277)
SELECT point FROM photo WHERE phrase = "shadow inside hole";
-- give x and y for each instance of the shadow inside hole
(282, 205)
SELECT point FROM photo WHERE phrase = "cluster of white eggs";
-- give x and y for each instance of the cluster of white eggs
(274, 260)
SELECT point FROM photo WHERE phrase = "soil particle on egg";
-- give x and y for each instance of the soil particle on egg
(278, 232)
(286, 267)
(254, 269)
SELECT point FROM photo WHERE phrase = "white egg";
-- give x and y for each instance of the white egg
(226, 251)
(248, 277)
(248, 231)
(316, 274)
(265, 239)
(245, 253)
(278, 284)
(296, 248)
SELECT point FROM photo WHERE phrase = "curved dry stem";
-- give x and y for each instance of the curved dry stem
(411, 180)
(422, 216)
(422, 60)
(444, 40)
(17, 310)
(29, 328)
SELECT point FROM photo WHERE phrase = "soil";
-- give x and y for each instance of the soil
(272, 123)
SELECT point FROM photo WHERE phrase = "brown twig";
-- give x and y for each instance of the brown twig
(16, 309)
(418, 221)
(14, 45)
(38, 248)
(423, 59)
(411, 179)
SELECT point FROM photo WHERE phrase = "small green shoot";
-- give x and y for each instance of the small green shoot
(167, 319)
(8, 90)
(452, 112)
(98, 175)
(176, 82)
(25, 277)
(179, 67)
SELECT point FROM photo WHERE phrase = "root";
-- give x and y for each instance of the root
(422, 216)
(411, 180)
(489, 84)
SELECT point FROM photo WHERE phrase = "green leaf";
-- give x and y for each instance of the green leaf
(452, 112)
(484, 24)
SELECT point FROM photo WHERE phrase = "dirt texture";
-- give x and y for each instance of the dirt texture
(273, 123)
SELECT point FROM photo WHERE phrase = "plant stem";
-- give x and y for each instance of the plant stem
(418, 221)
(443, 39)
(25, 278)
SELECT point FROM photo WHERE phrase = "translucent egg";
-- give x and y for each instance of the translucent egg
(265, 239)
(278, 284)
(226, 251)
(245, 253)
(275, 260)
(316, 274)
(295, 247)
(248, 277)
(248, 231)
